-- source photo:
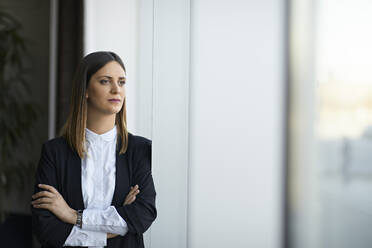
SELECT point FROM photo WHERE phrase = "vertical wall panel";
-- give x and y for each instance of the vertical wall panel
(236, 113)
(170, 121)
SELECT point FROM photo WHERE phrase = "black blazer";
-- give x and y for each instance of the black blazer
(60, 166)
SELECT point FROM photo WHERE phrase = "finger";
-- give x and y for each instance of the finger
(42, 200)
(132, 199)
(134, 193)
(133, 190)
(42, 194)
(135, 187)
(48, 187)
(44, 206)
(129, 200)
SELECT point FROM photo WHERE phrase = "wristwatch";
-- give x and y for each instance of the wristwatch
(79, 219)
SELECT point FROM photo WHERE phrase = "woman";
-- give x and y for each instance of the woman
(94, 186)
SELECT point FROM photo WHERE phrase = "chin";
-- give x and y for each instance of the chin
(117, 111)
(114, 112)
(111, 111)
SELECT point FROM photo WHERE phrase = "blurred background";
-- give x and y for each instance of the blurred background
(260, 113)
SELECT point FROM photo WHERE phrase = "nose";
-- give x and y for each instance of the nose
(115, 88)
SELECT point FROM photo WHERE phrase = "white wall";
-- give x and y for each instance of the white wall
(170, 121)
(236, 113)
(112, 25)
(231, 101)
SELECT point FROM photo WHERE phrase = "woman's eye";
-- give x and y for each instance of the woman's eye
(103, 81)
(122, 82)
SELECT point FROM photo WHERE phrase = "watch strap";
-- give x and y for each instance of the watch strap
(79, 219)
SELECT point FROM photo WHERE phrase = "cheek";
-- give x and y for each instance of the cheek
(96, 94)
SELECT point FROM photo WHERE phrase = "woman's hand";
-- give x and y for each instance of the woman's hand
(131, 197)
(111, 235)
(53, 201)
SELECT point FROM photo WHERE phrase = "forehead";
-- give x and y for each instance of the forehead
(112, 68)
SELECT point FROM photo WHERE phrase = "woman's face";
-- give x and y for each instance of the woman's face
(106, 91)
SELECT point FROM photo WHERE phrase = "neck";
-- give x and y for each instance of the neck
(100, 123)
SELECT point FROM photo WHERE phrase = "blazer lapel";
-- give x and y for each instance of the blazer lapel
(121, 182)
(74, 182)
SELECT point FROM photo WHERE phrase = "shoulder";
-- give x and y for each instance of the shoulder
(139, 146)
(138, 142)
(55, 142)
(56, 145)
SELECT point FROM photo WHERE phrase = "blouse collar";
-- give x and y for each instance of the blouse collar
(107, 136)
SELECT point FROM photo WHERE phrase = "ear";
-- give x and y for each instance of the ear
(86, 95)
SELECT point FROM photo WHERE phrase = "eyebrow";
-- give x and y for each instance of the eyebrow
(111, 77)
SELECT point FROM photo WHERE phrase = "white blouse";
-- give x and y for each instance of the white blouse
(98, 184)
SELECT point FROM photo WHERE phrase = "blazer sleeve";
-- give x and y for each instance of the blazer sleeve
(49, 230)
(140, 214)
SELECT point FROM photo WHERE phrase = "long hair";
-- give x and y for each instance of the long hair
(74, 128)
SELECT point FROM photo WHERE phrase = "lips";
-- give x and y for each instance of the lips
(114, 100)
